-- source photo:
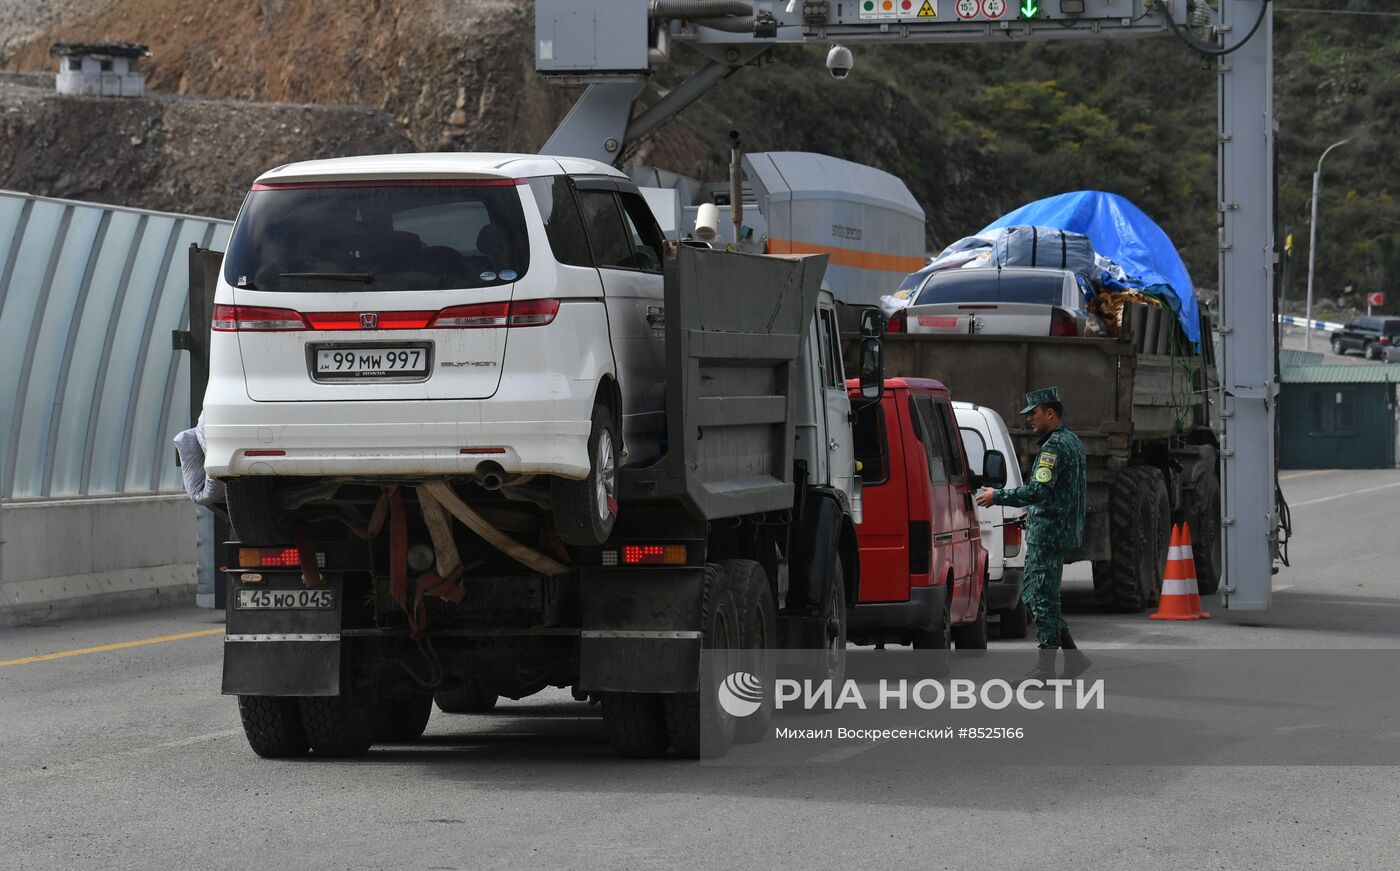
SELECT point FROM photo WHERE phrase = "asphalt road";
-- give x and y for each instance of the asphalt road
(129, 758)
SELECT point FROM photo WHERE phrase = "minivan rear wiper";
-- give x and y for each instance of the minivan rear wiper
(364, 277)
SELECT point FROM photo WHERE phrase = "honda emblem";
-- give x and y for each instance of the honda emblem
(369, 321)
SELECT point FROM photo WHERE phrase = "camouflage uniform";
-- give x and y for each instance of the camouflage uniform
(1054, 503)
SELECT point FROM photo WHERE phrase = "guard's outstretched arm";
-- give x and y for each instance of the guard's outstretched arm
(1033, 493)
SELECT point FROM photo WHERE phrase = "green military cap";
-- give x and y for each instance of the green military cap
(1040, 397)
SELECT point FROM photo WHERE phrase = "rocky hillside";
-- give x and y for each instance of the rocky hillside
(974, 130)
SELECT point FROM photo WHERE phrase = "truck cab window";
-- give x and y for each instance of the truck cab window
(830, 350)
(871, 446)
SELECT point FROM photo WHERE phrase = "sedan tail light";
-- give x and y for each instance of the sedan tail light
(898, 322)
(255, 318)
(1062, 323)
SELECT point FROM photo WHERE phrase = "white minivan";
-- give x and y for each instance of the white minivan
(395, 318)
(983, 430)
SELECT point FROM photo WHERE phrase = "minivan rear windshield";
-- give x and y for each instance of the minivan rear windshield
(993, 285)
(378, 236)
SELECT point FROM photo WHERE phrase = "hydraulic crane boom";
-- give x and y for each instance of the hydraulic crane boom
(612, 47)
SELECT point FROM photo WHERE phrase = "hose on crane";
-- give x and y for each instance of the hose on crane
(696, 10)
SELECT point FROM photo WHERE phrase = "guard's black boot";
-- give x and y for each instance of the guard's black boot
(1076, 663)
(1044, 666)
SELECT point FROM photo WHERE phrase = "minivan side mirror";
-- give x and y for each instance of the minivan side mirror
(872, 369)
(872, 323)
(994, 469)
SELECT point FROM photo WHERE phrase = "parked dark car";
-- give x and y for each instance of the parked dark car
(1369, 335)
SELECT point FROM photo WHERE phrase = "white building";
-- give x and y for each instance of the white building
(88, 69)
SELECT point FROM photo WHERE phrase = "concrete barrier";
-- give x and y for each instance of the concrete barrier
(81, 557)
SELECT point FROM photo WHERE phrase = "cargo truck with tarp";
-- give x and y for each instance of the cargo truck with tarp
(1140, 395)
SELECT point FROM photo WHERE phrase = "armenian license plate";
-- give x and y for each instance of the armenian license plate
(313, 600)
(369, 362)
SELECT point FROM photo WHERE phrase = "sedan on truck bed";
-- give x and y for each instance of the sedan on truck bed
(1006, 301)
(493, 317)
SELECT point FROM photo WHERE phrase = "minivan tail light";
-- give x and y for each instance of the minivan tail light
(255, 318)
(524, 313)
(1011, 539)
(1062, 323)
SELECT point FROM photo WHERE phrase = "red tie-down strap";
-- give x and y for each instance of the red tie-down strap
(306, 546)
(448, 589)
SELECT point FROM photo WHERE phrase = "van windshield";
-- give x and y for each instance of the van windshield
(993, 285)
(378, 236)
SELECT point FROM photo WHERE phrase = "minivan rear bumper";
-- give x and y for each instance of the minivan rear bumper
(923, 611)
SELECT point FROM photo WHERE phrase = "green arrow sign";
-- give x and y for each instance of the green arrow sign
(1030, 8)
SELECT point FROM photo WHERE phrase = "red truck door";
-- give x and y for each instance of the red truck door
(884, 529)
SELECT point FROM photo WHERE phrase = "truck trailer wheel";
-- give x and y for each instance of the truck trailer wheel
(1131, 577)
(636, 725)
(585, 511)
(758, 636)
(1205, 536)
(472, 697)
(402, 721)
(337, 726)
(698, 729)
(272, 725)
(254, 514)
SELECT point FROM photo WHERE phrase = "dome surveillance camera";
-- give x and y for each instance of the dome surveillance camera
(839, 61)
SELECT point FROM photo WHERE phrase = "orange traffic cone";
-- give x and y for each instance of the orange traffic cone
(1181, 600)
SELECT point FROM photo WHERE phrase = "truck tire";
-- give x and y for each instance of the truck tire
(636, 725)
(402, 721)
(585, 511)
(1131, 576)
(1015, 622)
(472, 697)
(758, 636)
(272, 725)
(337, 726)
(698, 729)
(1205, 536)
(1164, 537)
(253, 513)
(973, 636)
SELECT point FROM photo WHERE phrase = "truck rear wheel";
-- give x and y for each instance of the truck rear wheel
(272, 725)
(1205, 536)
(698, 728)
(585, 511)
(758, 635)
(636, 725)
(256, 518)
(401, 721)
(472, 697)
(1131, 578)
(337, 726)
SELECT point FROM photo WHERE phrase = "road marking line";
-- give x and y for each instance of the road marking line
(1326, 498)
(104, 648)
(1304, 474)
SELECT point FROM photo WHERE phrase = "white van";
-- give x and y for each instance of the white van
(982, 429)
(398, 317)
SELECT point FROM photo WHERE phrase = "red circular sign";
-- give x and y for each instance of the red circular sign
(994, 8)
(968, 8)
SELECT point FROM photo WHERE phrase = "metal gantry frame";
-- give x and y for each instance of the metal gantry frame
(575, 46)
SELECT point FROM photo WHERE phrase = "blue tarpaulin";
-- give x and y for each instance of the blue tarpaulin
(1123, 233)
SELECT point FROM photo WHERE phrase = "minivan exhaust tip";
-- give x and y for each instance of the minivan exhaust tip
(490, 475)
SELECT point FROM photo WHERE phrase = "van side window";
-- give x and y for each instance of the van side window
(830, 350)
(563, 223)
(928, 429)
(975, 447)
(948, 427)
(606, 231)
(647, 240)
(871, 446)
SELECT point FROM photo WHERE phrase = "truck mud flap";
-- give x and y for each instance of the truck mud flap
(640, 630)
(282, 637)
(816, 551)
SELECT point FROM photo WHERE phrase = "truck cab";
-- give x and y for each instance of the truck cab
(923, 564)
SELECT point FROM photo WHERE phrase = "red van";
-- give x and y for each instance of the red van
(922, 565)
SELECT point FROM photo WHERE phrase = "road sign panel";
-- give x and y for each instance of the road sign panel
(1375, 299)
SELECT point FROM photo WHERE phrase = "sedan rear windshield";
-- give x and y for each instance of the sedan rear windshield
(378, 236)
(993, 285)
